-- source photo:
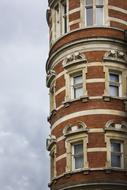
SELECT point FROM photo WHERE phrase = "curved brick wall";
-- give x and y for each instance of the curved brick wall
(97, 107)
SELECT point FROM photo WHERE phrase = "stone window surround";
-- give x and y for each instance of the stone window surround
(69, 73)
(70, 140)
(116, 136)
(123, 72)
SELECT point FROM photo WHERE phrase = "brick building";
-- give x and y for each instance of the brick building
(87, 80)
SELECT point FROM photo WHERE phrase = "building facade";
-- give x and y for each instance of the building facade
(87, 81)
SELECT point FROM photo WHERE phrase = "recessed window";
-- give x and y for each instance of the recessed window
(116, 154)
(64, 16)
(77, 155)
(94, 12)
(59, 19)
(52, 163)
(76, 86)
(114, 84)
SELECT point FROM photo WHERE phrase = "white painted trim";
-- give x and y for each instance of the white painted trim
(117, 9)
(98, 149)
(118, 20)
(60, 90)
(89, 112)
(61, 157)
(96, 97)
(95, 80)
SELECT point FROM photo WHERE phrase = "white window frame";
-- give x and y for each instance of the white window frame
(79, 155)
(122, 70)
(74, 86)
(118, 137)
(94, 6)
(121, 153)
(68, 76)
(115, 83)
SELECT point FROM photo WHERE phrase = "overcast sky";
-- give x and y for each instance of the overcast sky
(24, 161)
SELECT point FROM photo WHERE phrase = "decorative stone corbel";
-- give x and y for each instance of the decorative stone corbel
(74, 58)
(50, 76)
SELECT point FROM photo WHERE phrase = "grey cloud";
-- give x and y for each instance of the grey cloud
(24, 161)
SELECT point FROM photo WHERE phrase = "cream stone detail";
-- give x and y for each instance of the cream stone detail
(53, 162)
(60, 138)
(95, 80)
(96, 130)
(74, 58)
(118, 20)
(94, 45)
(61, 157)
(60, 90)
(113, 135)
(98, 149)
(74, 10)
(94, 64)
(60, 74)
(89, 112)
(115, 55)
(95, 97)
(74, 22)
(82, 137)
(117, 9)
(58, 108)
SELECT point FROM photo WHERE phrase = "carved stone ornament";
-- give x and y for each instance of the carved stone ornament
(115, 55)
(74, 58)
(50, 76)
(116, 126)
(50, 142)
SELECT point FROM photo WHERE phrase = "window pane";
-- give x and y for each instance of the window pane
(114, 77)
(89, 2)
(99, 15)
(115, 160)
(89, 16)
(113, 90)
(78, 149)
(78, 92)
(79, 162)
(99, 2)
(115, 147)
(78, 79)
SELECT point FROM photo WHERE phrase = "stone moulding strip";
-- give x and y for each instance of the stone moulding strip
(118, 20)
(79, 42)
(95, 184)
(117, 9)
(89, 112)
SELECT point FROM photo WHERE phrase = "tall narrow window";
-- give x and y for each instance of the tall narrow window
(77, 155)
(89, 12)
(77, 86)
(114, 84)
(99, 12)
(94, 12)
(57, 21)
(64, 16)
(52, 161)
(116, 154)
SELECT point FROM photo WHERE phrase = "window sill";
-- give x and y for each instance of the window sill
(107, 98)
(82, 99)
